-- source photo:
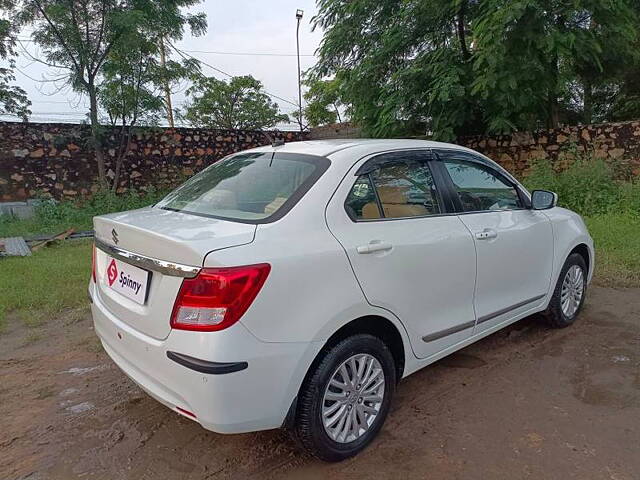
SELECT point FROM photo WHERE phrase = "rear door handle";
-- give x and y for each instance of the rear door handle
(374, 246)
(486, 234)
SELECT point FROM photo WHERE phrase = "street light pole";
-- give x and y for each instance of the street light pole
(299, 14)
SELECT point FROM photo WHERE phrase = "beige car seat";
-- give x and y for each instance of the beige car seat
(394, 204)
(274, 205)
(221, 199)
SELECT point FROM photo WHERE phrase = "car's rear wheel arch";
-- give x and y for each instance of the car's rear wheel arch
(377, 326)
(306, 419)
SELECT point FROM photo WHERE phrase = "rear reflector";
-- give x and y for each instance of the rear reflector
(186, 412)
(217, 297)
(93, 263)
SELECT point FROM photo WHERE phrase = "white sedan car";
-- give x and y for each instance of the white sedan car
(295, 285)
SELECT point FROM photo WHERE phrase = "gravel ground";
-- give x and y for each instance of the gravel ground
(526, 402)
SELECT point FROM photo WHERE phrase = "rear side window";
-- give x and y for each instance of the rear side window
(480, 188)
(248, 187)
(362, 202)
(397, 189)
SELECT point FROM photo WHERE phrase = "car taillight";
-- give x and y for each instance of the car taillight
(217, 297)
(93, 263)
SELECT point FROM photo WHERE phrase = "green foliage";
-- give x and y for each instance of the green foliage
(13, 99)
(541, 58)
(132, 87)
(451, 68)
(324, 101)
(8, 31)
(55, 217)
(239, 103)
(588, 187)
(610, 208)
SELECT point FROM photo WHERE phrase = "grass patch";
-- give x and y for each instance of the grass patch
(617, 241)
(55, 217)
(589, 186)
(51, 280)
(610, 207)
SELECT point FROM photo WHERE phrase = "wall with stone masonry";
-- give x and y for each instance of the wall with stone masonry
(56, 160)
(616, 143)
(335, 130)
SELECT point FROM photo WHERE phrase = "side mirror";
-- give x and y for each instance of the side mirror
(543, 199)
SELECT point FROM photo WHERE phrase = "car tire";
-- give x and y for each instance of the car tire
(316, 398)
(572, 278)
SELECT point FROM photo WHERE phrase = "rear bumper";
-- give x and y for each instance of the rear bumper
(231, 381)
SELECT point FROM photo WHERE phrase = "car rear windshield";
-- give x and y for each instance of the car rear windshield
(253, 187)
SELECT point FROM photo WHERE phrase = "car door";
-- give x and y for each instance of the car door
(408, 256)
(514, 244)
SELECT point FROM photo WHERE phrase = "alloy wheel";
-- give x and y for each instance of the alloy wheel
(572, 291)
(353, 398)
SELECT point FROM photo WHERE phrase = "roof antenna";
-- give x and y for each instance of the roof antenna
(272, 141)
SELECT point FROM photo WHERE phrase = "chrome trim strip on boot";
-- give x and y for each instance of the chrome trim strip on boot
(148, 263)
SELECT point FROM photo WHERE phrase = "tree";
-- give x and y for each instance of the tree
(77, 36)
(239, 103)
(404, 66)
(13, 99)
(620, 99)
(324, 102)
(131, 92)
(549, 50)
(463, 67)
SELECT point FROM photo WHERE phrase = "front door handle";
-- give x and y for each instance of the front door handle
(486, 234)
(374, 246)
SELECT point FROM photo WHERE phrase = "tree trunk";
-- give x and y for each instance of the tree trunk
(553, 107)
(587, 99)
(95, 135)
(123, 151)
(554, 91)
(165, 84)
(337, 113)
(462, 37)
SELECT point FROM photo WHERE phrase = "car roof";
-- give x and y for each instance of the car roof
(326, 148)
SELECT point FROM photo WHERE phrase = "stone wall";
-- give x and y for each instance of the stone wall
(616, 143)
(55, 159)
(335, 130)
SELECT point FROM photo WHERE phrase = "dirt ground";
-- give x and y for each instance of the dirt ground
(527, 402)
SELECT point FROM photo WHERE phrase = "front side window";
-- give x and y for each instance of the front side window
(398, 189)
(480, 188)
(247, 187)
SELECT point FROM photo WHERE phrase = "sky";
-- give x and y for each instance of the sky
(238, 26)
